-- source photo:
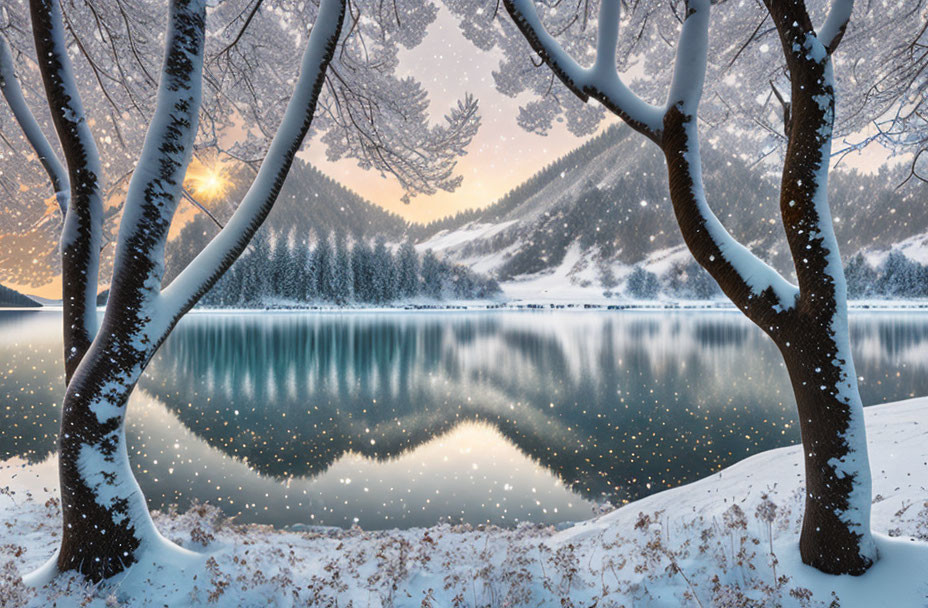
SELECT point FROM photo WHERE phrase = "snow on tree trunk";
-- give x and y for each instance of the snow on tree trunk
(813, 337)
(808, 324)
(81, 238)
(106, 519)
(106, 523)
(836, 535)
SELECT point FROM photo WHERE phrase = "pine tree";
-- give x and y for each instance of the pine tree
(277, 268)
(900, 277)
(341, 272)
(861, 277)
(407, 271)
(290, 286)
(383, 272)
(307, 274)
(255, 285)
(642, 284)
(322, 269)
(431, 276)
(361, 271)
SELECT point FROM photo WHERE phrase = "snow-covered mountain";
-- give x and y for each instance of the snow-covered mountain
(590, 218)
(582, 226)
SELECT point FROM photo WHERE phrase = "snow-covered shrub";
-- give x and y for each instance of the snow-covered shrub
(642, 284)
(12, 590)
(690, 281)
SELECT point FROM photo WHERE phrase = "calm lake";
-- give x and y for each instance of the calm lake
(401, 419)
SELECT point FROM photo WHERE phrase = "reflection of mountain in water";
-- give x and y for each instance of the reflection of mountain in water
(612, 404)
(618, 403)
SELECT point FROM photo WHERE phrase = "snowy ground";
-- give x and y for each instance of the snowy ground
(704, 544)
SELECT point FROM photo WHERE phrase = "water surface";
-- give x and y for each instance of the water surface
(405, 419)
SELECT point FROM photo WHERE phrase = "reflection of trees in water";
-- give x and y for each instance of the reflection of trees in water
(637, 398)
(31, 383)
(655, 402)
(890, 353)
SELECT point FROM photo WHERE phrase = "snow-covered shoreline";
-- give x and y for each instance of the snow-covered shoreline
(702, 544)
(600, 304)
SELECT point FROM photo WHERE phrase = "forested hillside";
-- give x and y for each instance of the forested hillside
(285, 271)
(10, 298)
(309, 201)
(603, 210)
(605, 204)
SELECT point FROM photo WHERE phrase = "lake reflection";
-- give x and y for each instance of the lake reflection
(402, 419)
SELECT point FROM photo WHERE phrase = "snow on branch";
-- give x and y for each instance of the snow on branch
(83, 226)
(745, 278)
(601, 82)
(833, 29)
(157, 183)
(197, 278)
(689, 68)
(752, 284)
(9, 86)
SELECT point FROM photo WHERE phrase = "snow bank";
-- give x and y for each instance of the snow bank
(727, 540)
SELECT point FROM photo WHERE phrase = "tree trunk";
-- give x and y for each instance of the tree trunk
(106, 523)
(808, 323)
(812, 335)
(105, 517)
(835, 534)
(82, 236)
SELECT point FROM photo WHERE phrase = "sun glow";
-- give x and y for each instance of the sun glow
(208, 181)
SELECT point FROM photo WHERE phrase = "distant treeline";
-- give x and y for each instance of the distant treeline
(897, 277)
(278, 270)
(688, 281)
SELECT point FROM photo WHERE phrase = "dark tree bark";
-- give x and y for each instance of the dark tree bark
(808, 324)
(105, 515)
(106, 524)
(82, 235)
(804, 334)
(815, 341)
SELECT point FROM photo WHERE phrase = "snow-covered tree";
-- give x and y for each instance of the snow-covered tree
(431, 276)
(900, 277)
(383, 272)
(407, 271)
(106, 522)
(861, 277)
(341, 271)
(361, 271)
(250, 70)
(741, 82)
(322, 272)
(291, 288)
(642, 284)
(691, 281)
(276, 267)
(306, 275)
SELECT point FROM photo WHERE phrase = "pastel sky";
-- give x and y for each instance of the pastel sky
(501, 156)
